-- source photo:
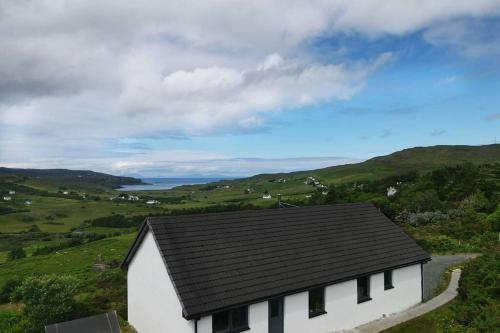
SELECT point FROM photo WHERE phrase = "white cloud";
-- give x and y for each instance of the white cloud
(233, 167)
(83, 71)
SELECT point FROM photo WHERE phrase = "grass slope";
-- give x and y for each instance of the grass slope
(77, 260)
(65, 177)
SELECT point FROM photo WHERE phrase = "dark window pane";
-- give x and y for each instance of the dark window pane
(239, 317)
(363, 288)
(275, 308)
(388, 280)
(316, 300)
(220, 321)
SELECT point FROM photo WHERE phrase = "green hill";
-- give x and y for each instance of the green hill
(65, 177)
(421, 159)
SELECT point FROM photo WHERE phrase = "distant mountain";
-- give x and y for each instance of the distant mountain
(65, 177)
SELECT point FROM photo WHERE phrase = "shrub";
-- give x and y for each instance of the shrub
(16, 253)
(478, 306)
(8, 287)
(426, 218)
(46, 299)
(494, 220)
(439, 244)
(53, 248)
(34, 228)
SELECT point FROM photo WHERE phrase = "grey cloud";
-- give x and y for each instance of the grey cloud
(437, 132)
(492, 117)
(386, 133)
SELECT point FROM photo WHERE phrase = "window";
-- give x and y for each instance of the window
(316, 302)
(364, 289)
(388, 280)
(231, 321)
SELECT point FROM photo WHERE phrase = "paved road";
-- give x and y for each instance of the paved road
(433, 271)
(416, 311)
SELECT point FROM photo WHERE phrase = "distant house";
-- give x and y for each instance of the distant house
(12, 192)
(133, 198)
(152, 202)
(7, 198)
(266, 196)
(65, 192)
(309, 269)
(104, 323)
(28, 202)
(391, 191)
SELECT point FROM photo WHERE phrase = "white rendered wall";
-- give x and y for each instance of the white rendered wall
(343, 310)
(153, 306)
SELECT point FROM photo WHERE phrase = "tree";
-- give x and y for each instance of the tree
(46, 299)
(8, 287)
(494, 220)
(16, 253)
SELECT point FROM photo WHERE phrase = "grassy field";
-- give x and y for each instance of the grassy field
(76, 261)
(426, 323)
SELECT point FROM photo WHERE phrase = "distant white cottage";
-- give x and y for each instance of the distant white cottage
(391, 191)
(310, 269)
(12, 192)
(7, 198)
(152, 202)
(266, 196)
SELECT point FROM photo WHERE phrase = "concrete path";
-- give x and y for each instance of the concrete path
(416, 311)
(433, 271)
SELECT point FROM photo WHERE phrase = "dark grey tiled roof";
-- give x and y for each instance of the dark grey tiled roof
(103, 323)
(218, 261)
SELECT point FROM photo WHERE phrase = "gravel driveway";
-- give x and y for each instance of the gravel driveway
(433, 271)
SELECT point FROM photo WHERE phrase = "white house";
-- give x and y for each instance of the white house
(7, 198)
(311, 269)
(12, 192)
(152, 202)
(266, 196)
(391, 191)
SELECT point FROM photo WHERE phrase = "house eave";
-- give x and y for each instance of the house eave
(143, 230)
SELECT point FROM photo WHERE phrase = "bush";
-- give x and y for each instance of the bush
(8, 287)
(53, 248)
(494, 220)
(478, 305)
(34, 228)
(439, 244)
(46, 300)
(16, 253)
(426, 218)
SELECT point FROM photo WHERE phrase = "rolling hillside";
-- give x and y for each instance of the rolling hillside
(65, 177)
(421, 159)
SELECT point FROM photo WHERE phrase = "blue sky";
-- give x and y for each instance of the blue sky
(185, 93)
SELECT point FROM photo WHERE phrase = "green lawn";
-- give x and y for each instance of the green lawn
(423, 324)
